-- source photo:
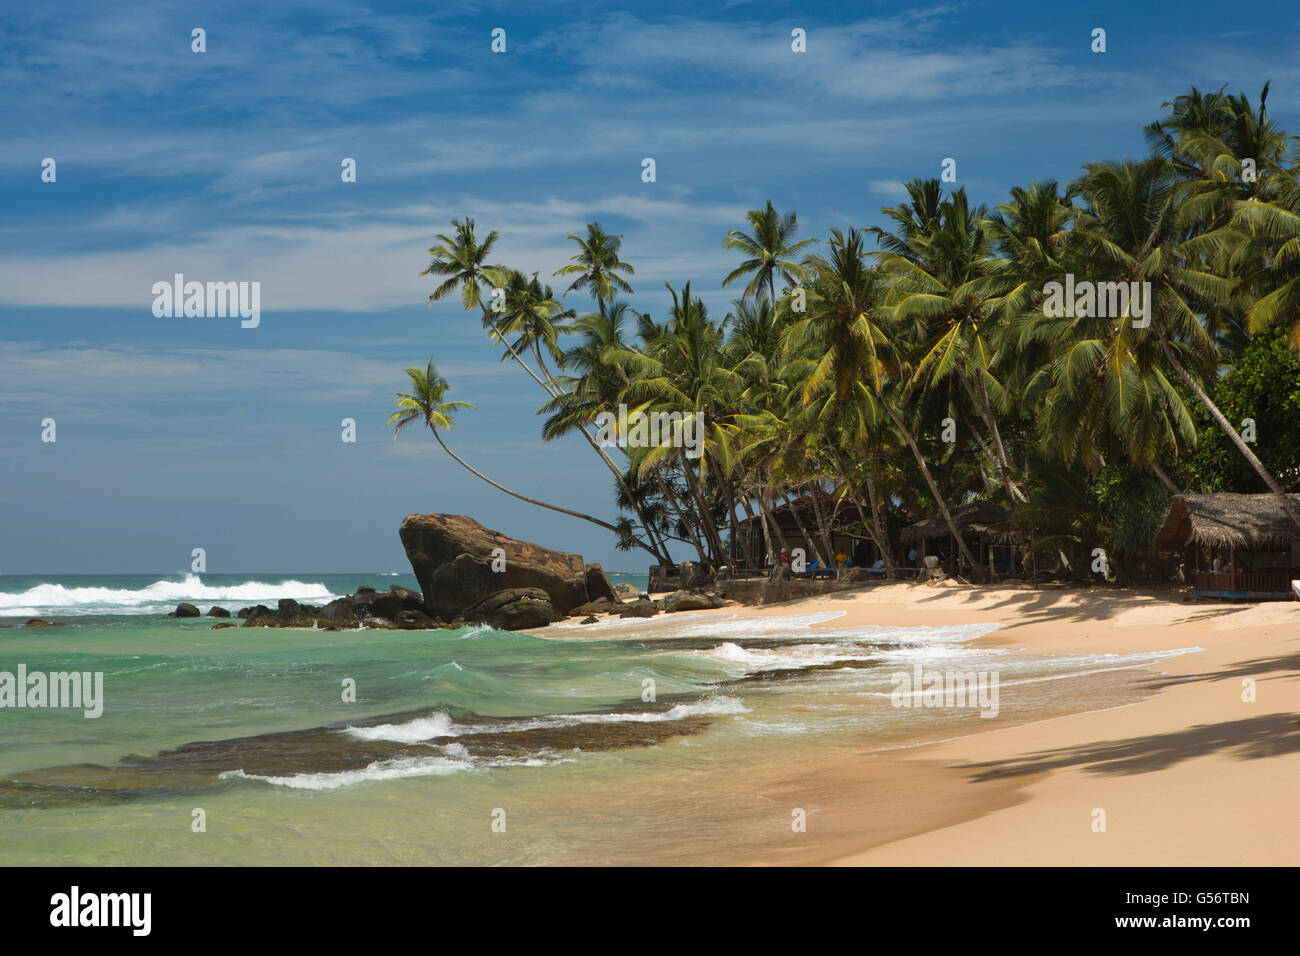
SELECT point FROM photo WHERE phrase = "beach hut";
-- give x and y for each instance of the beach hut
(983, 526)
(1243, 547)
(837, 513)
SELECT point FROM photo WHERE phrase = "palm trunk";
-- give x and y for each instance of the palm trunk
(532, 501)
(676, 505)
(1000, 460)
(803, 530)
(552, 391)
(774, 529)
(886, 550)
(730, 491)
(929, 480)
(696, 485)
(827, 543)
(1165, 479)
(657, 548)
(1231, 432)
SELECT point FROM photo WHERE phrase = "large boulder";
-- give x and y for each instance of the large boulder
(259, 616)
(513, 609)
(453, 558)
(598, 586)
(627, 592)
(596, 607)
(417, 621)
(687, 601)
(640, 608)
(338, 613)
(184, 610)
(218, 611)
(368, 602)
(292, 614)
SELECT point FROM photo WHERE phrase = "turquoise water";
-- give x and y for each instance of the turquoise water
(594, 741)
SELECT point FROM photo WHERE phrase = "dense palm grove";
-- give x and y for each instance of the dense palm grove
(906, 370)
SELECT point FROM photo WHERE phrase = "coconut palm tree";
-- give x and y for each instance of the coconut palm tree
(424, 403)
(597, 266)
(1128, 230)
(769, 246)
(944, 280)
(844, 334)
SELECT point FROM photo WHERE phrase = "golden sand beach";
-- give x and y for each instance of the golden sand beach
(1197, 773)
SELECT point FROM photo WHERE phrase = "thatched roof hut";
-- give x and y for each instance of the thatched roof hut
(1244, 522)
(982, 517)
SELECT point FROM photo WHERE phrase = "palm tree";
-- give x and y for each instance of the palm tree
(1128, 230)
(597, 265)
(424, 403)
(945, 281)
(769, 247)
(853, 355)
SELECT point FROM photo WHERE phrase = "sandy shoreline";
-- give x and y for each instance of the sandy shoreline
(1193, 775)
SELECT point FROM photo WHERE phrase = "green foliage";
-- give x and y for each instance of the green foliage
(1264, 385)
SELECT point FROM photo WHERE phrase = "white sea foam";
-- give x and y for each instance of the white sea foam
(456, 760)
(787, 657)
(439, 724)
(159, 596)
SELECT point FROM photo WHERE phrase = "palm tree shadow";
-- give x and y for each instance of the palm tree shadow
(1053, 606)
(1250, 738)
(1282, 667)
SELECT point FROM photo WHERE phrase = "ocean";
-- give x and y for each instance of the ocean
(679, 738)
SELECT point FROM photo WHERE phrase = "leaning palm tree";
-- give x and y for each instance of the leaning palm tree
(769, 247)
(424, 403)
(1128, 231)
(462, 262)
(597, 265)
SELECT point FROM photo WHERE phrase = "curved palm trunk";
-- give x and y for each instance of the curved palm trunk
(803, 530)
(728, 489)
(532, 501)
(929, 480)
(1000, 459)
(1164, 478)
(876, 536)
(675, 503)
(774, 529)
(657, 548)
(706, 518)
(822, 530)
(1231, 432)
(886, 551)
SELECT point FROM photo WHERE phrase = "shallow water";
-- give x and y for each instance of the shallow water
(638, 741)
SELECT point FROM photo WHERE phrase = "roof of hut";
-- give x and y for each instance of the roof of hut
(984, 517)
(835, 514)
(1228, 520)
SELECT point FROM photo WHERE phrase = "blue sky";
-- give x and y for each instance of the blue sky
(178, 433)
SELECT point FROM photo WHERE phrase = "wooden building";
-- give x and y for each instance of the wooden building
(1243, 547)
(983, 527)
